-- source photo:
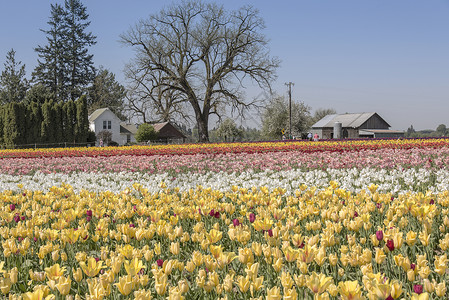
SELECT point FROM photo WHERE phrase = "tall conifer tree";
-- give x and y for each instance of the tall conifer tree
(13, 84)
(80, 67)
(50, 70)
(65, 65)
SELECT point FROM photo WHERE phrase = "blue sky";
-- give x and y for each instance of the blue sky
(387, 56)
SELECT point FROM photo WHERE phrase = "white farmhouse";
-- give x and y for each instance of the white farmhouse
(105, 119)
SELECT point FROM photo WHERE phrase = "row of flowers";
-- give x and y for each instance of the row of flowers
(429, 158)
(395, 181)
(217, 148)
(207, 244)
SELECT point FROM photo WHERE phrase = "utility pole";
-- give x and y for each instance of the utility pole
(290, 107)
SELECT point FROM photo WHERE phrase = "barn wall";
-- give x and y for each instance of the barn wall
(375, 122)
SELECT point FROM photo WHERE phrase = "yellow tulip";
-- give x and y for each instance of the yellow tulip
(350, 290)
(142, 295)
(423, 296)
(290, 294)
(125, 285)
(243, 283)
(396, 289)
(174, 248)
(333, 259)
(63, 285)
(286, 280)
(134, 266)
(38, 294)
(54, 272)
(161, 284)
(441, 264)
(78, 275)
(318, 283)
(228, 282)
(5, 285)
(96, 289)
(380, 256)
(175, 294)
(183, 286)
(332, 290)
(440, 289)
(214, 236)
(13, 275)
(92, 268)
(246, 255)
(320, 257)
(277, 265)
(411, 238)
(274, 293)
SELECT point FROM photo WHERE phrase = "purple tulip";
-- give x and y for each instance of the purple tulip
(270, 232)
(379, 235)
(160, 262)
(252, 217)
(217, 214)
(12, 207)
(418, 288)
(390, 245)
(89, 213)
(212, 213)
(236, 222)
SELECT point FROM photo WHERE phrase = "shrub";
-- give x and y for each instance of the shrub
(146, 132)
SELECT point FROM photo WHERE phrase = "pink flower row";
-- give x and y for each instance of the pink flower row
(383, 158)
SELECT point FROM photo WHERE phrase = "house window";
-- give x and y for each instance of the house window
(107, 124)
(128, 138)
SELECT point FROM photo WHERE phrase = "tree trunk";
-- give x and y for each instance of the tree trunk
(203, 133)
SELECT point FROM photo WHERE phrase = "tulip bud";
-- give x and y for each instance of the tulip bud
(411, 275)
(440, 289)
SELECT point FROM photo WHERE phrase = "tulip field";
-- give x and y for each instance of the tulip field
(361, 219)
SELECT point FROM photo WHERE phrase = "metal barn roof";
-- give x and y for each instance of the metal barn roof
(346, 120)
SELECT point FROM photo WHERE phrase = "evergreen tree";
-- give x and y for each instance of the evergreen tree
(13, 84)
(2, 111)
(69, 111)
(14, 124)
(106, 92)
(50, 70)
(48, 121)
(80, 67)
(38, 93)
(58, 125)
(82, 120)
(65, 66)
(34, 122)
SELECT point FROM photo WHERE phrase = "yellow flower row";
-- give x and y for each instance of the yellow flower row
(248, 243)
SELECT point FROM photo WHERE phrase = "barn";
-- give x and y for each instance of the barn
(354, 125)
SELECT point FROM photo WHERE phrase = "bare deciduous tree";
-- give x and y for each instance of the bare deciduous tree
(203, 54)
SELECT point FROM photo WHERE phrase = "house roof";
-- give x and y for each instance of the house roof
(167, 130)
(346, 120)
(127, 128)
(97, 113)
(159, 126)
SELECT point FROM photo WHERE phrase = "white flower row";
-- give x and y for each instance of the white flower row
(354, 180)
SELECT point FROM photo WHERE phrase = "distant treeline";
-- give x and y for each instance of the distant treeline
(50, 122)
